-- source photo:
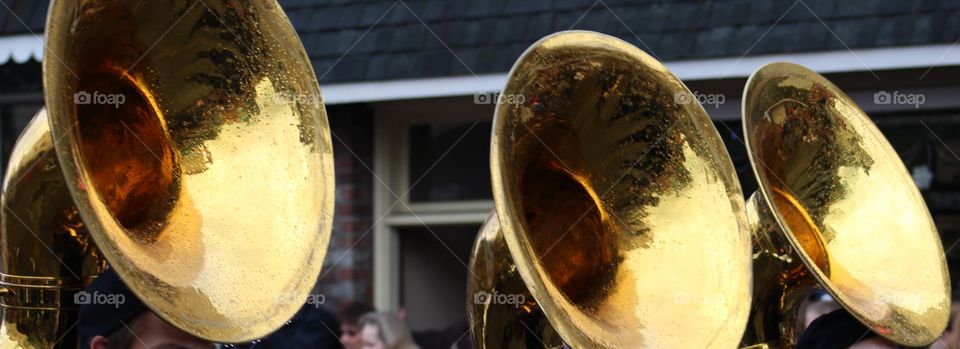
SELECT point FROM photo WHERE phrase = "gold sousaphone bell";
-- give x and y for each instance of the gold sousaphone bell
(836, 210)
(181, 140)
(619, 206)
(622, 217)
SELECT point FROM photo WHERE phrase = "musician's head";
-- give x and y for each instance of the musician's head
(111, 317)
(350, 315)
(385, 331)
(839, 329)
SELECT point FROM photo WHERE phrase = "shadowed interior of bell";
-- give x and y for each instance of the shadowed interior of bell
(126, 151)
(566, 228)
(509, 325)
(124, 145)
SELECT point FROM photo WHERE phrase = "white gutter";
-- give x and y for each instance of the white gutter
(21, 48)
(875, 59)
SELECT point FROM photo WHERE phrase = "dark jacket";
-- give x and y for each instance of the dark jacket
(312, 327)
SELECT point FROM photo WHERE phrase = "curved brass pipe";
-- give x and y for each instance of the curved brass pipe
(46, 252)
(502, 312)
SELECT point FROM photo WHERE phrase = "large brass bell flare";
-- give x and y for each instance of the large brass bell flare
(617, 200)
(195, 150)
(836, 210)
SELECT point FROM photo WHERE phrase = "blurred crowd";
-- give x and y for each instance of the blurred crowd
(130, 324)
(821, 323)
(357, 325)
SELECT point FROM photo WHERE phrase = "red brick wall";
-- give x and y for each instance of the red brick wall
(348, 269)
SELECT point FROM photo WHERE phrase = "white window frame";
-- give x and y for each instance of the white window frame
(392, 123)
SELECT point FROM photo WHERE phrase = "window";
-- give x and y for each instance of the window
(433, 284)
(432, 192)
(443, 154)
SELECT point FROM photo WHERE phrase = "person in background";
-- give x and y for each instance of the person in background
(350, 314)
(124, 322)
(385, 331)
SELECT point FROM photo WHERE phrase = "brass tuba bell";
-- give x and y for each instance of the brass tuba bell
(191, 144)
(836, 210)
(617, 200)
(503, 313)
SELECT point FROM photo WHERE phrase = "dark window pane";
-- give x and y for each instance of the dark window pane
(463, 169)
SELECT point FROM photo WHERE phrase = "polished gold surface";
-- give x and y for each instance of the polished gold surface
(46, 255)
(617, 199)
(840, 201)
(501, 311)
(209, 187)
